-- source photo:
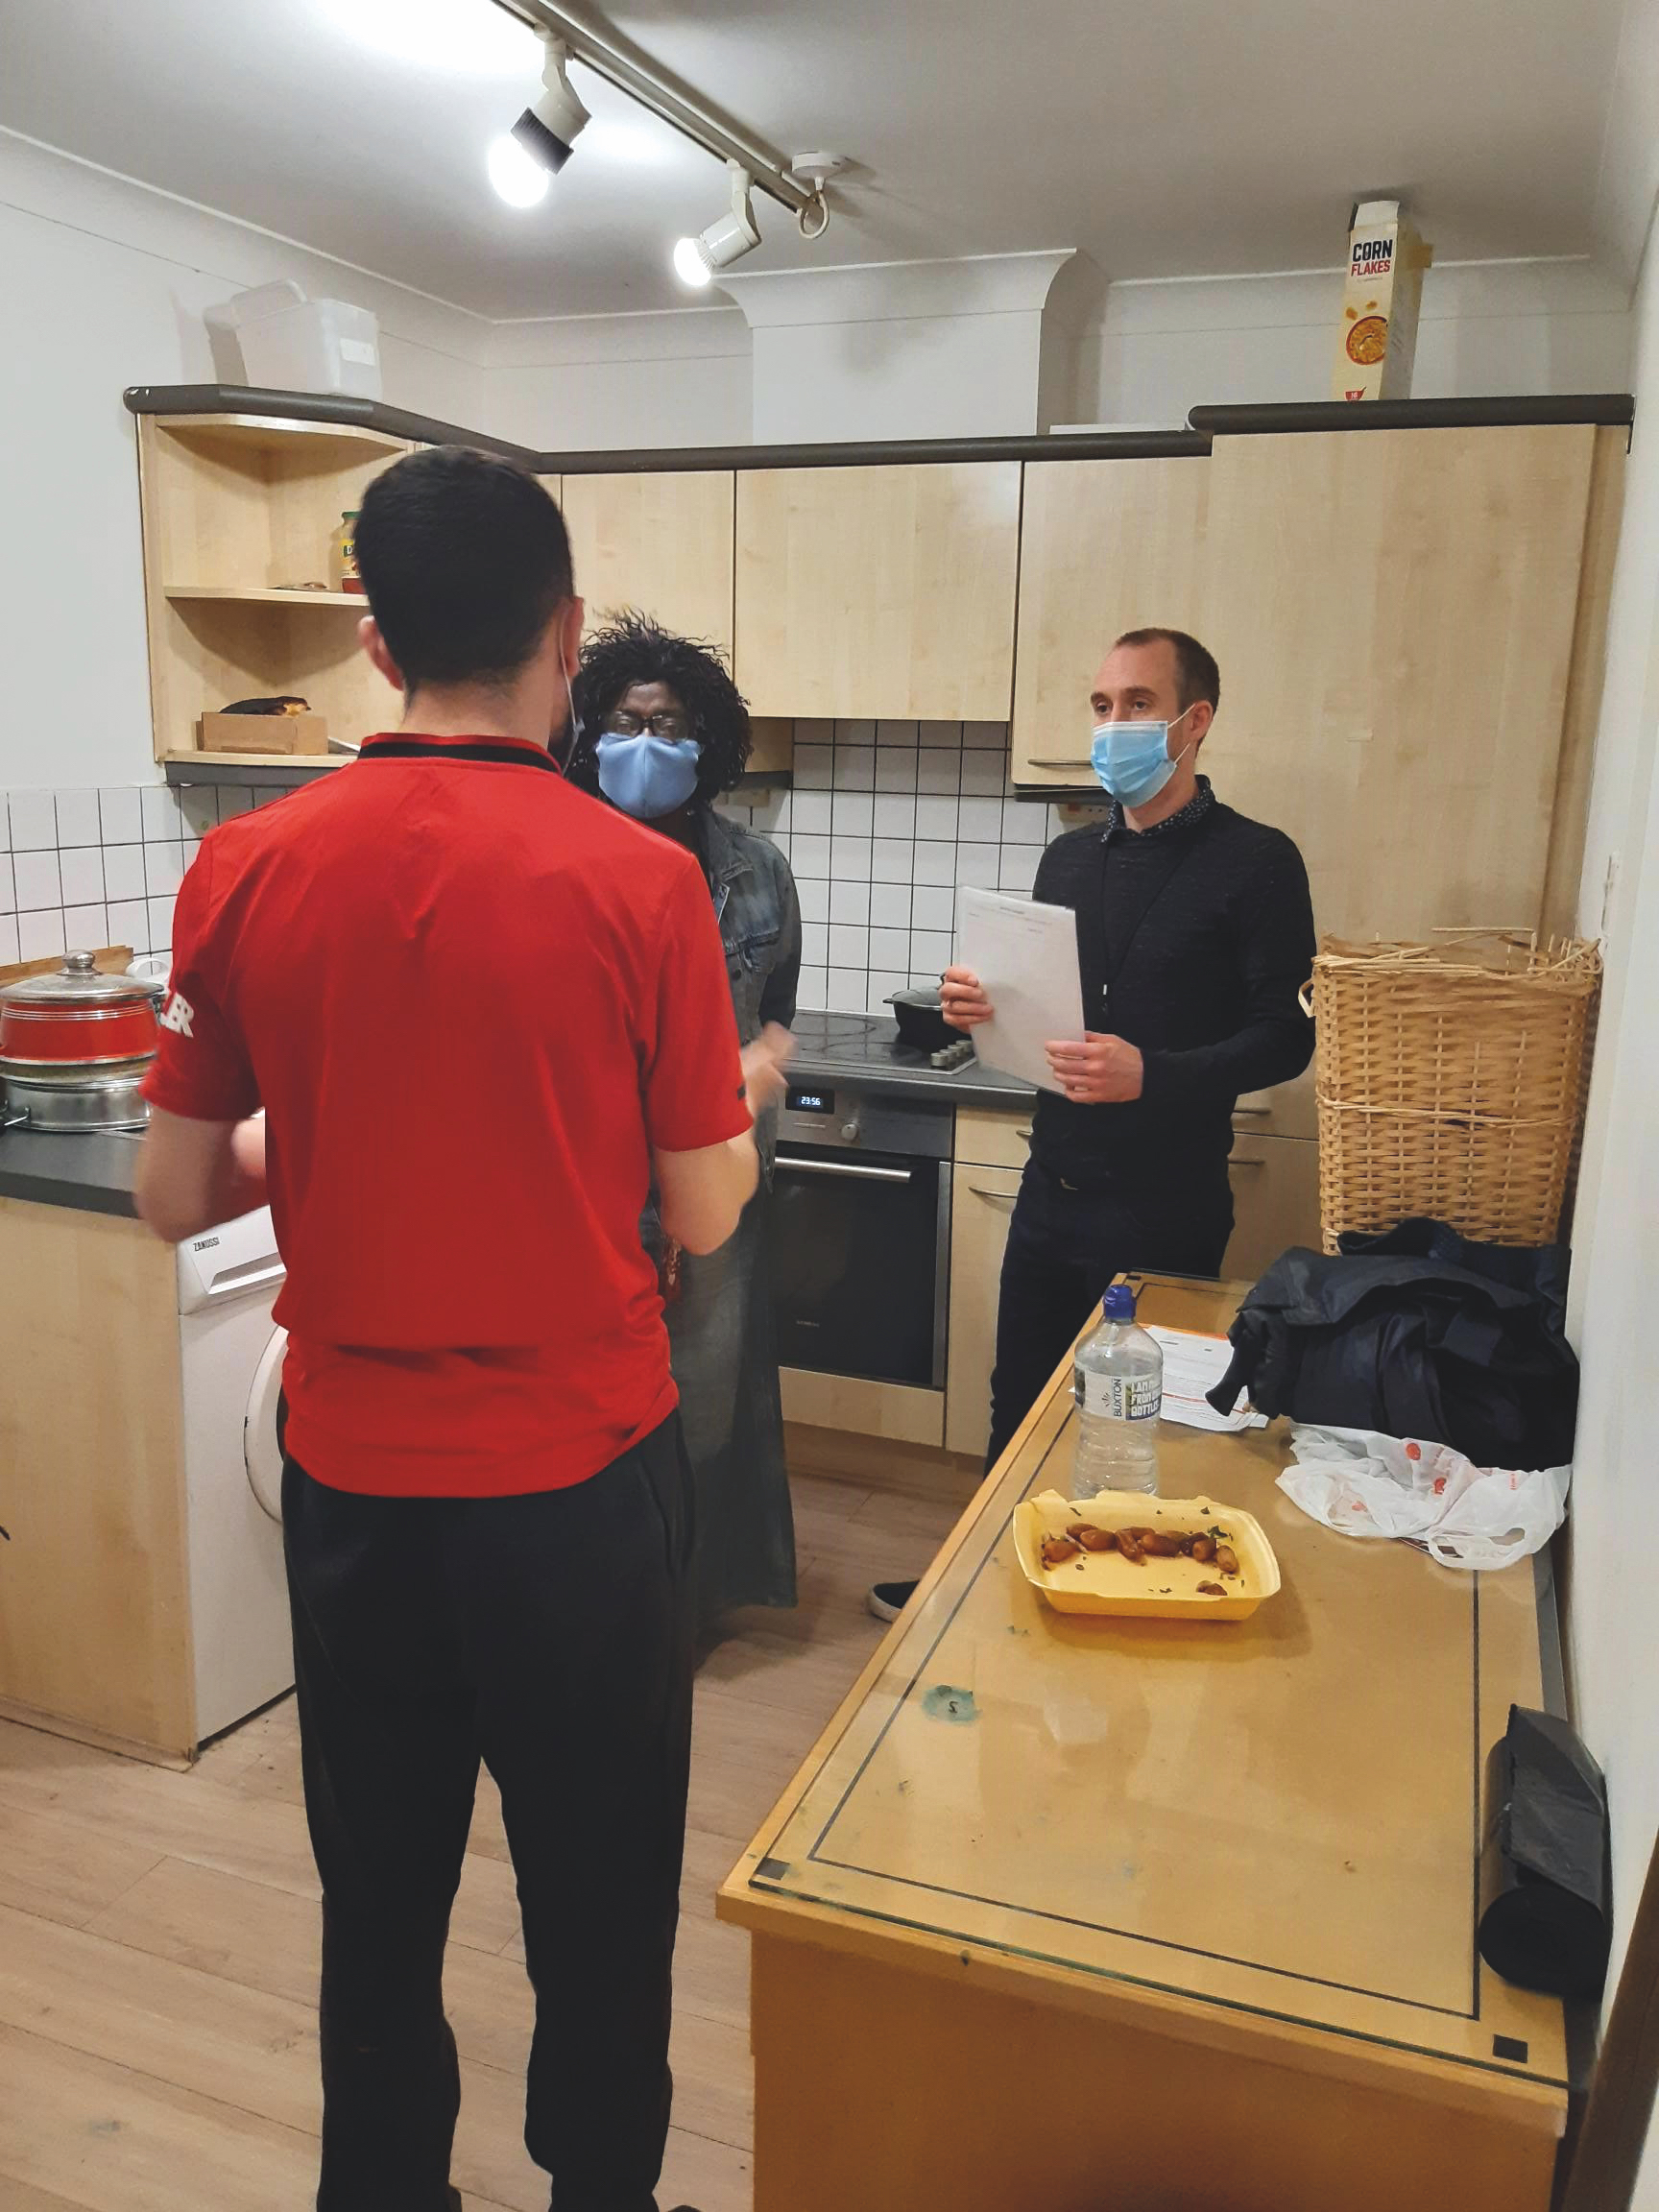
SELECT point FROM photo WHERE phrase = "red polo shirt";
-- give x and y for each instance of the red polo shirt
(472, 1001)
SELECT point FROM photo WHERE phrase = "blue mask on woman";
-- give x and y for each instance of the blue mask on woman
(647, 776)
(1132, 758)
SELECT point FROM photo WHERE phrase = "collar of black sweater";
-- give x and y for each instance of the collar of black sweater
(1194, 811)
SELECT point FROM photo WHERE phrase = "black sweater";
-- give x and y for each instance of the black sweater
(1193, 940)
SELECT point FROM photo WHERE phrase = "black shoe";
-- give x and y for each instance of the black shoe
(888, 1599)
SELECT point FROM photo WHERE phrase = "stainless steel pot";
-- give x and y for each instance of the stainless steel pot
(75, 1046)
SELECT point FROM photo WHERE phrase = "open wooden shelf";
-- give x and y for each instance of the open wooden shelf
(258, 769)
(267, 594)
(269, 434)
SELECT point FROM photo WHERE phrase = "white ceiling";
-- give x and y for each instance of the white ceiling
(1161, 138)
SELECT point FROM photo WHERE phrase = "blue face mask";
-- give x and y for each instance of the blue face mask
(647, 776)
(1132, 758)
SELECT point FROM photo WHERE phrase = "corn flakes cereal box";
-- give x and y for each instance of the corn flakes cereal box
(1377, 337)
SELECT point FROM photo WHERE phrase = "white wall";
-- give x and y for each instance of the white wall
(103, 284)
(1614, 1626)
(899, 348)
(1495, 327)
(593, 382)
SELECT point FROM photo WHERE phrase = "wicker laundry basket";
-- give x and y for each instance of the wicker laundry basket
(1451, 1081)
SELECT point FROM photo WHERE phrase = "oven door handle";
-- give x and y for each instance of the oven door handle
(845, 1168)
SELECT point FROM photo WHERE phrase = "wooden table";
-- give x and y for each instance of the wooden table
(1070, 1914)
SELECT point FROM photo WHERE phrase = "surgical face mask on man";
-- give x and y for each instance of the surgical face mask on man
(1132, 758)
(647, 776)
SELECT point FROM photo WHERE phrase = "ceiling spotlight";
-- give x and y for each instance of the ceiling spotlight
(518, 175)
(696, 260)
(550, 126)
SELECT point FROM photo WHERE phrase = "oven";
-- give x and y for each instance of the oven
(860, 1234)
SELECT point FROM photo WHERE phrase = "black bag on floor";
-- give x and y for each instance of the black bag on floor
(1418, 1332)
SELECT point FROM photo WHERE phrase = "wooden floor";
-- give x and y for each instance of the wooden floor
(158, 1931)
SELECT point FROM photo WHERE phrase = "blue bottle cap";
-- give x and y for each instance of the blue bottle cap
(1119, 1303)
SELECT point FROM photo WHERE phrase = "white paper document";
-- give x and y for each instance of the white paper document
(1194, 1365)
(1026, 957)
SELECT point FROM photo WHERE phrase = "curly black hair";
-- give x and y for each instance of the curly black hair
(632, 649)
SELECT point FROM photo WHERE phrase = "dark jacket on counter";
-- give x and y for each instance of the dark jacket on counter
(1193, 940)
(1419, 1332)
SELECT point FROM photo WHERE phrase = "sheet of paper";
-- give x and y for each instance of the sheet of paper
(1026, 957)
(1194, 1365)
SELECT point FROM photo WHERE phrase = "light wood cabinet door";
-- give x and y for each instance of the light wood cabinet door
(1275, 1202)
(94, 1611)
(662, 544)
(883, 591)
(1105, 547)
(1394, 614)
(982, 1204)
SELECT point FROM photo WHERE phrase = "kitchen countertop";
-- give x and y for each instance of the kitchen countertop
(864, 1050)
(1250, 1845)
(93, 1172)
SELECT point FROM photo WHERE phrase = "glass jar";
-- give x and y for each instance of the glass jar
(345, 552)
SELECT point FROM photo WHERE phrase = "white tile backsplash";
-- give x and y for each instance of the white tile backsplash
(81, 871)
(854, 815)
(89, 867)
(34, 823)
(849, 900)
(854, 768)
(124, 871)
(160, 809)
(880, 836)
(78, 822)
(40, 935)
(122, 816)
(163, 868)
(39, 884)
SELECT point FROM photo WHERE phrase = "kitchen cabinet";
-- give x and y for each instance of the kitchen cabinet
(981, 1205)
(1105, 547)
(1407, 626)
(991, 1151)
(659, 543)
(1222, 1872)
(239, 517)
(1275, 1183)
(94, 1625)
(883, 591)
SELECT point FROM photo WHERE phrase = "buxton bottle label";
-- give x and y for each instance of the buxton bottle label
(1122, 1397)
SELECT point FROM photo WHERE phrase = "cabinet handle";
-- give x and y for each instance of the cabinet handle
(1245, 1167)
(997, 1197)
(1254, 1113)
(1025, 1132)
(1037, 761)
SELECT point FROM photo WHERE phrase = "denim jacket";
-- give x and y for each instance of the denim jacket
(759, 918)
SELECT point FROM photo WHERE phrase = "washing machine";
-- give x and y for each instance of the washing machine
(231, 1353)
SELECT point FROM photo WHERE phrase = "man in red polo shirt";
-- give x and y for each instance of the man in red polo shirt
(482, 1015)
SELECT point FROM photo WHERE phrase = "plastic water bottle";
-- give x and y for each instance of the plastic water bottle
(1118, 1386)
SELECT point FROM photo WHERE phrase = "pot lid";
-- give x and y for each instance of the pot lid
(79, 982)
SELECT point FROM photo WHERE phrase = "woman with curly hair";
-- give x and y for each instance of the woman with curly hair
(664, 731)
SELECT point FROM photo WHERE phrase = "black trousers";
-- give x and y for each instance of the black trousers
(550, 1636)
(1064, 1248)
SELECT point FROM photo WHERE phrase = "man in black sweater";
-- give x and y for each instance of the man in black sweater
(1194, 935)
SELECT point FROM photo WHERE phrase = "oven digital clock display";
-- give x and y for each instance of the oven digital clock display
(799, 1102)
